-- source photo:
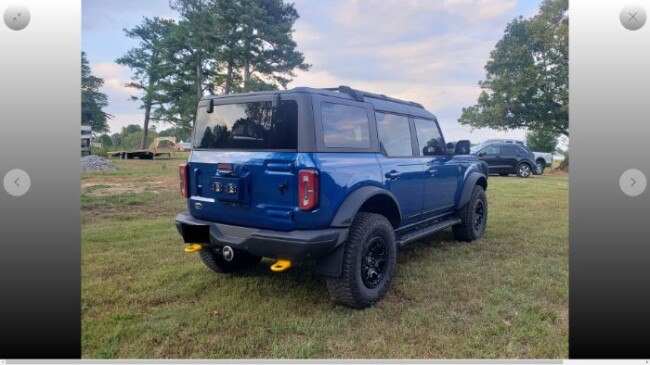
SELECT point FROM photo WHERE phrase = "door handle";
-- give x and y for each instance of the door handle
(392, 175)
(432, 171)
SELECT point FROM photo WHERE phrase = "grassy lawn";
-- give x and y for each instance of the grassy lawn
(504, 296)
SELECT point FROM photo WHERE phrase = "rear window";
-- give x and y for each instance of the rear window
(345, 126)
(248, 126)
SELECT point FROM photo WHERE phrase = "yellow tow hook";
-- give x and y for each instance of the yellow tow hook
(280, 265)
(195, 247)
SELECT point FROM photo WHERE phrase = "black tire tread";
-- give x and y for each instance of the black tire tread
(464, 231)
(342, 290)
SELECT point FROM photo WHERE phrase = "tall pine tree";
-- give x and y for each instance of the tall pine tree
(150, 66)
(92, 100)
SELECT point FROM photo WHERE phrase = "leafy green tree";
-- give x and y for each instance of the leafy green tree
(193, 48)
(526, 85)
(105, 140)
(117, 139)
(226, 46)
(266, 49)
(150, 68)
(92, 100)
(542, 140)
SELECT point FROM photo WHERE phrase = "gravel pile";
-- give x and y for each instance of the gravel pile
(96, 163)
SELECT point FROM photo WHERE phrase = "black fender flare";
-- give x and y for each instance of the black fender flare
(332, 264)
(353, 202)
(473, 179)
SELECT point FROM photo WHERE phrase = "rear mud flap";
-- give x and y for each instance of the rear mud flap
(332, 264)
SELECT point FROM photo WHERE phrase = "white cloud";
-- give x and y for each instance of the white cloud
(394, 19)
(115, 78)
(428, 51)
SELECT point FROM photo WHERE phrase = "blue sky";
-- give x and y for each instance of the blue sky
(429, 51)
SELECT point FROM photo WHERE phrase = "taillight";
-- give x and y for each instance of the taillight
(182, 171)
(308, 189)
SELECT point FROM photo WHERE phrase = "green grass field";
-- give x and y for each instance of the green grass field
(504, 296)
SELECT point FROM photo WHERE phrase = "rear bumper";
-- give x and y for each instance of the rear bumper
(296, 245)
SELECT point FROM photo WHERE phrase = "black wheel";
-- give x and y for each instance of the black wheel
(540, 165)
(524, 170)
(368, 263)
(473, 217)
(212, 257)
(504, 174)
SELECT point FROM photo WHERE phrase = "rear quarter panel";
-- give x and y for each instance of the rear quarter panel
(340, 175)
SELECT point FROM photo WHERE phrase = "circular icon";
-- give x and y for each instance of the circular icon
(633, 182)
(17, 17)
(632, 17)
(17, 182)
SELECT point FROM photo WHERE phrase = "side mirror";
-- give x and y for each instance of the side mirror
(462, 147)
(481, 154)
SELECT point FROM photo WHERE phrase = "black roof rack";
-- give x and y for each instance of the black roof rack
(360, 95)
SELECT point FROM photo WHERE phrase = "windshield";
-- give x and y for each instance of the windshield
(248, 126)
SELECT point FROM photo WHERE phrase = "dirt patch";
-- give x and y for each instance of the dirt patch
(117, 186)
(111, 189)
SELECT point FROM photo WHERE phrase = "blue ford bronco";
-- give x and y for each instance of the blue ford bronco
(337, 179)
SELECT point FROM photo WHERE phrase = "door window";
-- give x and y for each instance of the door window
(394, 135)
(492, 150)
(430, 140)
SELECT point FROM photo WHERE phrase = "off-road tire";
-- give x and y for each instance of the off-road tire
(367, 231)
(467, 230)
(524, 170)
(212, 258)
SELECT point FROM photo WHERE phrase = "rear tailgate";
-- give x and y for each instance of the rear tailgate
(242, 170)
(256, 189)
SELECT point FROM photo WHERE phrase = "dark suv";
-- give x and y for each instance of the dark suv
(334, 178)
(507, 158)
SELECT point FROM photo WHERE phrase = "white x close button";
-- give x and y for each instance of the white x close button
(632, 17)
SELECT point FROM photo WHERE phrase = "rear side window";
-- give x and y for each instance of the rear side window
(509, 150)
(345, 126)
(394, 135)
(429, 138)
(248, 126)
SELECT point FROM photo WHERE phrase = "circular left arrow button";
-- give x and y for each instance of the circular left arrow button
(17, 182)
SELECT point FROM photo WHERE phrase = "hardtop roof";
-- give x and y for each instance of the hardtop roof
(380, 102)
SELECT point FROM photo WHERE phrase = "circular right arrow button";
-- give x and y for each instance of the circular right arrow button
(633, 182)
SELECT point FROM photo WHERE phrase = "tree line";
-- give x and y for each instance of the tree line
(227, 46)
(215, 47)
(527, 79)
